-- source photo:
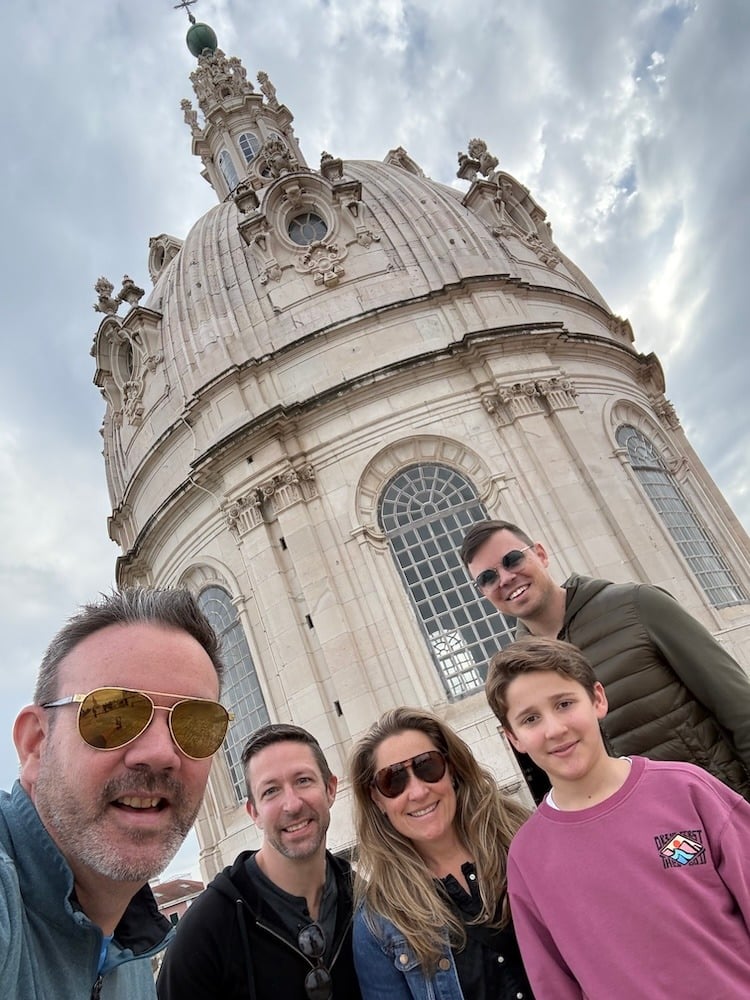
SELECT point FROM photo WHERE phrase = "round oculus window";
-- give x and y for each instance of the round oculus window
(307, 228)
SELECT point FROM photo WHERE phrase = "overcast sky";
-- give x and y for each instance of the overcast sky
(629, 121)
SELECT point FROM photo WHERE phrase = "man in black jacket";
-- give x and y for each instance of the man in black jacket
(275, 925)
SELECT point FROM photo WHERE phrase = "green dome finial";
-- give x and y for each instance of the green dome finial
(201, 37)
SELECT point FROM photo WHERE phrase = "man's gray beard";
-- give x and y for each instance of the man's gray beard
(81, 839)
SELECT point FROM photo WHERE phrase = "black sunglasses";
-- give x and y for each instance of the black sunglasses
(110, 718)
(489, 577)
(391, 781)
(311, 941)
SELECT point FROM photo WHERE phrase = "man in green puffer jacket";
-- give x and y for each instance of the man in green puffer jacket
(674, 692)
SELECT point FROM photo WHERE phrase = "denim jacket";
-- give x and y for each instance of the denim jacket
(388, 970)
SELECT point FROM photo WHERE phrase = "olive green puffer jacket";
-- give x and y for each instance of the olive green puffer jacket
(674, 692)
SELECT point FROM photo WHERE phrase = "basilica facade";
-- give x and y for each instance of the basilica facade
(337, 370)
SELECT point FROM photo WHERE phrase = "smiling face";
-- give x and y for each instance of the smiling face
(291, 802)
(424, 812)
(121, 813)
(526, 590)
(555, 721)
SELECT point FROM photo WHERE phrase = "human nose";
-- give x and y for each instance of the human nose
(416, 788)
(553, 726)
(155, 746)
(292, 801)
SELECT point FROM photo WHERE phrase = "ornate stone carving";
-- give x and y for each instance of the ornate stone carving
(398, 157)
(281, 491)
(294, 193)
(620, 327)
(245, 198)
(106, 303)
(267, 89)
(290, 487)
(547, 254)
(243, 514)
(269, 266)
(332, 168)
(130, 292)
(152, 361)
(132, 401)
(276, 158)
(478, 161)
(191, 118)
(666, 412)
(650, 373)
(323, 261)
(531, 396)
(217, 78)
(162, 249)
(505, 231)
(559, 392)
(358, 211)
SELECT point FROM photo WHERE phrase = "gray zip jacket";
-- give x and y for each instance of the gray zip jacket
(48, 948)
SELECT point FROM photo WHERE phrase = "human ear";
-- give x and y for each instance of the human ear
(253, 813)
(512, 738)
(541, 553)
(29, 734)
(331, 786)
(601, 705)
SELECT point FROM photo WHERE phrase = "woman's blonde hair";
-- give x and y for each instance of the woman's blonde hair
(392, 878)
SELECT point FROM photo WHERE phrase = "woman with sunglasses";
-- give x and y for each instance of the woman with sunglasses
(433, 829)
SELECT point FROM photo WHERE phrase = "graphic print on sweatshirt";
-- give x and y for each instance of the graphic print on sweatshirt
(680, 849)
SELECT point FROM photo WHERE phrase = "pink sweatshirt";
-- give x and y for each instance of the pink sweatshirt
(645, 896)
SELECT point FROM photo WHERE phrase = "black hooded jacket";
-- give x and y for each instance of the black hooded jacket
(230, 944)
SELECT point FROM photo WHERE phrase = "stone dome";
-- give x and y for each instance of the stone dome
(240, 290)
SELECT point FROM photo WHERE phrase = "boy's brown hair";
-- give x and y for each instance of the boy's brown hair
(527, 655)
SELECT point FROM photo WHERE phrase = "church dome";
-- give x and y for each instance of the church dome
(382, 240)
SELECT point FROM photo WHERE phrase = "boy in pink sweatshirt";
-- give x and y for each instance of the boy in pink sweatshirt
(632, 878)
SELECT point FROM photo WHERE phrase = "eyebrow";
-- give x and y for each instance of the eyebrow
(533, 708)
(303, 772)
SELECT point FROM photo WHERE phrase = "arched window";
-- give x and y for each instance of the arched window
(240, 689)
(425, 511)
(693, 540)
(228, 169)
(249, 144)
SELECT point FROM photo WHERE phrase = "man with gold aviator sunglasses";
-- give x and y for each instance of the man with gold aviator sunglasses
(114, 756)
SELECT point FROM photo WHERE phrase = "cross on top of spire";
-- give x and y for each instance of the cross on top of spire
(183, 5)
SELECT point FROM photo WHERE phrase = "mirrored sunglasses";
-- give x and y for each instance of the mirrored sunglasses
(311, 941)
(489, 577)
(391, 781)
(110, 718)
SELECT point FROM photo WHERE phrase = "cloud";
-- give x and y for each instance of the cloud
(628, 122)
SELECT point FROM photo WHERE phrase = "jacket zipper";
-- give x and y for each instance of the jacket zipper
(96, 989)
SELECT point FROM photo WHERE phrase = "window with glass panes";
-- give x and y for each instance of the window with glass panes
(240, 691)
(228, 169)
(693, 540)
(249, 144)
(425, 512)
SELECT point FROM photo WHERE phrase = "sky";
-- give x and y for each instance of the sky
(628, 120)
